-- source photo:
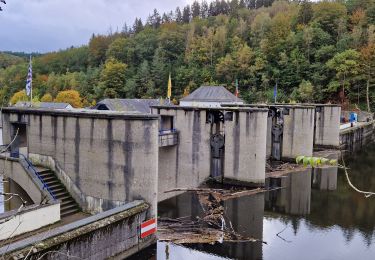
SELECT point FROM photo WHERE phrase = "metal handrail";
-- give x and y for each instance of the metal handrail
(167, 131)
(31, 166)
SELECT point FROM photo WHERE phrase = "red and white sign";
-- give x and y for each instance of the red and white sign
(148, 228)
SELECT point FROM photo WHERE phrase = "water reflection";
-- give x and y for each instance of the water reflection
(295, 196)
(169, 251)
(325, 178)
(316, 216)
(184, 205)
(249, 223)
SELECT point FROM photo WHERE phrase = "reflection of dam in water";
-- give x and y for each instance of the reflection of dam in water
(244, 214)
(315, 208)
(295, 196)
(260, 216)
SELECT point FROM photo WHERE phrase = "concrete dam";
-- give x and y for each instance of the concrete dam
(96, 177)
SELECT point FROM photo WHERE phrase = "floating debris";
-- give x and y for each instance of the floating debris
(212, 227)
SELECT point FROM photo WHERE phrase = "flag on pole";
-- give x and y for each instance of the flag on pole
(275, 92)
(169, 94)
(237, 91)
(29, 79)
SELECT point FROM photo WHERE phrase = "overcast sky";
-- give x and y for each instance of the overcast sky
(48, 25)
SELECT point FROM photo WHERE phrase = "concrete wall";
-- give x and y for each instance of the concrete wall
(1, 129)
(298, 133)
(29, 219)
(1, 197)
(109, 156)
(86, 202)
(327, 126)
(269, 138)
(353, 138)
(22, 198)
(14, 170)
(112, 234)
(298, 129)
(245, 146)
(188, 164)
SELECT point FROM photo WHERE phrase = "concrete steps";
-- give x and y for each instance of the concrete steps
(68, 206)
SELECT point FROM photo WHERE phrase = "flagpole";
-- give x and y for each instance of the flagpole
(31, 85)
(169, 91)
(29, 80)
(275, 92)
(237, 91)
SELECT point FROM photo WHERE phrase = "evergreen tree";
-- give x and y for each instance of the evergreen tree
(154, 20)
(178, 15)
(125, 29)
(186, 14)
(204, 9)
(138, 25)
(195, 9)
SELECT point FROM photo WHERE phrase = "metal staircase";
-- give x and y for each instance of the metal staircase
(68, 206)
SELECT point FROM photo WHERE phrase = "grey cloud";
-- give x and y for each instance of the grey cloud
(48, 25)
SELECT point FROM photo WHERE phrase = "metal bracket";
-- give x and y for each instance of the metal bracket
(214, 117)
(217, 143)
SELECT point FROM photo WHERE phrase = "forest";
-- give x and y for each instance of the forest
(312, 51)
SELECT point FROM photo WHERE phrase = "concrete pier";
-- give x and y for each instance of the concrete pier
(222, 143)
(290, 129)
(327, 126)
(298, 132)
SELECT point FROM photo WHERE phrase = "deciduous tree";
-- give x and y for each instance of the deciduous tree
(47, 98)
(113, 78)
(69, 96)
(19, 96)
(346, 65)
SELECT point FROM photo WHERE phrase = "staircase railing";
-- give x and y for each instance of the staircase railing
(31, 169)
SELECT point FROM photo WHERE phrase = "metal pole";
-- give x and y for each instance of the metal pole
(31, 82)
(275, 94)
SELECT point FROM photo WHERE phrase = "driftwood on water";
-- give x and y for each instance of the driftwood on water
(210, 228)
(224, 194)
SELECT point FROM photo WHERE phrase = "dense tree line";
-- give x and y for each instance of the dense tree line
(322, 52)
